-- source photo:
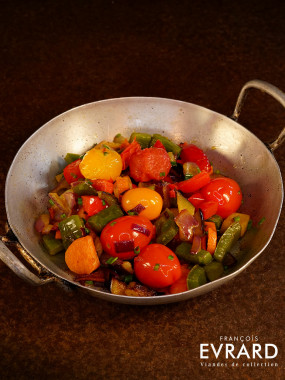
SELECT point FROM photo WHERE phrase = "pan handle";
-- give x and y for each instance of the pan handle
(19, 268)
(269, 89)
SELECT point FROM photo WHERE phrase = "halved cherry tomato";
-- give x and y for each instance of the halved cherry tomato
(72, 172)
(157, 266)
(191, 153)
(226, 192)
(208, 208)
(150, 163)
(195, 183)
(92, 204)
(126, 236)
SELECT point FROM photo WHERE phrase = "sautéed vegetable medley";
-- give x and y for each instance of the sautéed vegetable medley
(143, 217)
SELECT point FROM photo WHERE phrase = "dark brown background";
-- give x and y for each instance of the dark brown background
(59, 54)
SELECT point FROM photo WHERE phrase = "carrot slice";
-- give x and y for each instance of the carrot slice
(121, 185)
(81, 256)
(57, 234)
(210, 227)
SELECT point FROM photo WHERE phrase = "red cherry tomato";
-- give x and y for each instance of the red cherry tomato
(150, 163)
(226, 192)
(126, 236)
(157, 266)
(191, 153)
(72, 172)
(92, 204)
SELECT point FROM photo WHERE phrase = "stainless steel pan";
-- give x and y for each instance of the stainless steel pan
(232, 148)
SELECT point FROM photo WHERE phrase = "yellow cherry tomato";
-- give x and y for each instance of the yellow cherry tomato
(148, 198)
(101, 164)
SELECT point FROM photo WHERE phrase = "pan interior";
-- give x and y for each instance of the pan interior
(234, 150)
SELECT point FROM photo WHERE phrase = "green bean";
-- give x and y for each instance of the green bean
(227, 240)
(196, 277)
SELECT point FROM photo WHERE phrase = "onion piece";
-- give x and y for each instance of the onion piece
(196, 245)
(141, 229)
(69, 197)
(186, 223)
(62, 204)
(124, 246)
(42, 222)
(138, 208)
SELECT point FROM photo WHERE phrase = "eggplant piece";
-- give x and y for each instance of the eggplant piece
(133, 289)
(217, 219)
(137, 290)
(118, 287)
(107, 197)
(184, 204)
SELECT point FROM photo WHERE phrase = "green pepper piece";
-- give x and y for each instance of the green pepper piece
(166, 227)
(71, 229)
(107, 197)
(168, 230)
(159, 223)
(227, 240)
(71, 157)
(217, 219)
(214, 270)
(142, 138)
(52, 245)
(162, 219)
(168, 144)
(84, 188)
(183, 251)
(196, 277)
(98, 221)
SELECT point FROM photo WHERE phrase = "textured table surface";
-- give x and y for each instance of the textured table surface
(57, 55)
